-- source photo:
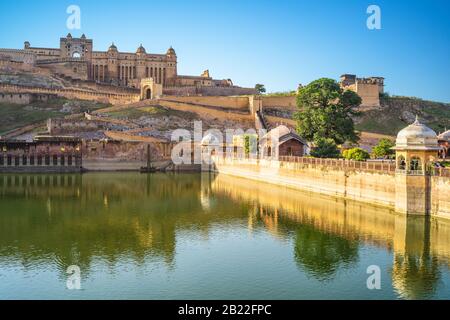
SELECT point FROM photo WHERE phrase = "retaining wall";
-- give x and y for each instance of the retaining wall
(366, 186)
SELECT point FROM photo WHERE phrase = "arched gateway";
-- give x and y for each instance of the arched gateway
(150, 89)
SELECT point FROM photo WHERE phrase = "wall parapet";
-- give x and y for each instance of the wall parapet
(368, 166)
(73, 93)
(345, 181)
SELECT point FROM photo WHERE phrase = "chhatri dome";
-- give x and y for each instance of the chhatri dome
(171, 51)
(112, 47)
(417, 136)
(141, 49)
(445, 136)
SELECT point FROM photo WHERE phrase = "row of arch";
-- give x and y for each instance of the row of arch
(413, 164)
(40, 160)
(100, 73)
(158, 74)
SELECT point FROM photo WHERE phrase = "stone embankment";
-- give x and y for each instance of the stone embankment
(378, 184)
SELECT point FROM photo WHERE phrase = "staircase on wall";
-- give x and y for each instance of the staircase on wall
(260, 121)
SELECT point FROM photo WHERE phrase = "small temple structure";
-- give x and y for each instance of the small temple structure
(416, 151)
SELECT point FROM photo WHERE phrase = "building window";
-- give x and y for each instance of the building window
(47, 160)
(16, 161)
(39, 160)
(63, 161)
(69, 160)
(24, 160)
(31, 160)
(55, 160)
(415, 164)
(2, 160)
(401, 163)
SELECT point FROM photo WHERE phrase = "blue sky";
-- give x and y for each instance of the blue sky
(277, 43)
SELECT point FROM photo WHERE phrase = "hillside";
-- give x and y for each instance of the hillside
(14, 116)
(397, 112)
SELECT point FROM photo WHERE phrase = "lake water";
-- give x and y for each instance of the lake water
(192, 236)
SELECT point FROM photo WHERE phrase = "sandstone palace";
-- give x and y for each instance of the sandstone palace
(76, 59)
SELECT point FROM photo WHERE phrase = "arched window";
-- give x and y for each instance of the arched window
(76, 55)
(401, 163)
(415, 164)
(269, 151)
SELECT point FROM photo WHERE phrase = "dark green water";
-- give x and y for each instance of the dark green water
(190, 236)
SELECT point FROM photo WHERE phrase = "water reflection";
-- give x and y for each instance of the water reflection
(80, 219)
(328, 233)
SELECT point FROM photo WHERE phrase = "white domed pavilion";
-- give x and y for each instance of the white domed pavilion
(416, 146)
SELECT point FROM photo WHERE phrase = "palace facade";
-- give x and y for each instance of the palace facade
(75, 58)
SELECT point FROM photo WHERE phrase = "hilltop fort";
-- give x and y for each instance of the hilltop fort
(76, 59)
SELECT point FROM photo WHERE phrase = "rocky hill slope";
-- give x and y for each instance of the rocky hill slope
(397, 112)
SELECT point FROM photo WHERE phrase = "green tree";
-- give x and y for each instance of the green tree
(250, 144)
(383, 149)
(325, 110)
(325, 148)
(357, 154)
(260, 88)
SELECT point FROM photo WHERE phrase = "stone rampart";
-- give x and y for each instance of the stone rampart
(74, 94)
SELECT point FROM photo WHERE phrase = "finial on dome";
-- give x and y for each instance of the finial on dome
(417, 119)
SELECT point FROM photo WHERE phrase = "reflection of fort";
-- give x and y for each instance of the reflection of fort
(330, 226)
(81, 217)
(77, 219)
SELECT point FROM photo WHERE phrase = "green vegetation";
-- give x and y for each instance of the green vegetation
(250, 143)
(325, 148)
(282, 94)
(14, 116)
(260, 88)
(357, 154)
(327, 111)
(398, 112)
(383, 149)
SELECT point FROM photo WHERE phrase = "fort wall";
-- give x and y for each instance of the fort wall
(440, 199)
(213, 101)
(69, 67)
(23, 98)
(102, 97)
(369, 94)
(207, 91)
(280, 102)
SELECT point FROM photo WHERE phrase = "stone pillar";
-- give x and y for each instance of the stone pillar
(412, 193)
